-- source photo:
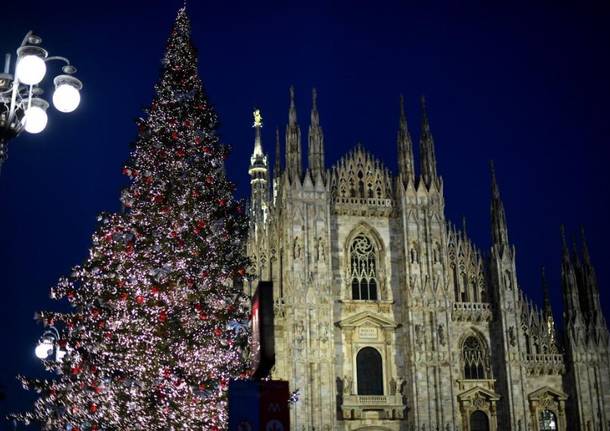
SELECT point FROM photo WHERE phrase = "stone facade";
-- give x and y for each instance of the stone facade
(389, 318)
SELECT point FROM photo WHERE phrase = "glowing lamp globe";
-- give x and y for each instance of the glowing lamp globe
(35, 118)
(66, 98)
(44, 348)
(31, 67)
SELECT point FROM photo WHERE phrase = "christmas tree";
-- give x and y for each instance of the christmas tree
(157, 327)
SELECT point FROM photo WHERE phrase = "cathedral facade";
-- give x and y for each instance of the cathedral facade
(388, 317)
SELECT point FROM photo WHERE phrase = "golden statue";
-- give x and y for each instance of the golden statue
(258, 118)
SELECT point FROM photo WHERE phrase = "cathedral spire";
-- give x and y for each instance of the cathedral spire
(547, 309)
(590, 287)
(293, 142)
(277, 168)
(258, 171)
(426, 149)
(571, 301)
(316, 140)
(405, 148)
(499, 230)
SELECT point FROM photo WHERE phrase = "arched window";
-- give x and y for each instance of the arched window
(370, 372)
(479, 421)
(474, 358)
(363, 268)
(548, 421)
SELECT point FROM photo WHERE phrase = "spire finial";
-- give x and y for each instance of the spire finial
(564, 242)
(494, 183)
(585, 246)
(426, 144)
(292, 112)
(498, 216)
(545, 291)
(277, 166)
(403, 118)
(315, 117)
(464, 224)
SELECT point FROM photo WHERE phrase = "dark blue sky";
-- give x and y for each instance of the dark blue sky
(525, 85)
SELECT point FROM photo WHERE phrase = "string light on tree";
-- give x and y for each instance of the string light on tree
(158, 328)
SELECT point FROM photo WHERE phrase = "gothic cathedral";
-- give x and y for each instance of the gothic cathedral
(387, 316)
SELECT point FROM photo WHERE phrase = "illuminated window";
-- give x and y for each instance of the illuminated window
(370, 372)
(474, 358)
(548, 421)
(363, 268)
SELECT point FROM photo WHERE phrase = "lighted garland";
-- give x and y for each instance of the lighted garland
(158, 327)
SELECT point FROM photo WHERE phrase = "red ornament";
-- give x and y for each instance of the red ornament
(222, 202)
(203, 316)
(174, 135)
(218, 332)
(124, 296)
(163, 316)
(209, 179)
(180, 152)
(148, 180)
(127, 171)
(154, 290)
(92, 407)
(201, 224)
(207, 150)
(140, 299)
(198, 307)
(197, 140)
(75, 370)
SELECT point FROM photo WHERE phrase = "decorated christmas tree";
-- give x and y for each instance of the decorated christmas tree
(157, 326)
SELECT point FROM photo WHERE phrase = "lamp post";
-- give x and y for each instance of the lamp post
(47, 347)
(21, 104)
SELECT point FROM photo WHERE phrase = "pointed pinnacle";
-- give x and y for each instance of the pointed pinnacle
(276, 167)
(424, 111)
(315, 119)
(545, 288)
(292, 112)
(464, 224)
(403, 117)
(585, 247)
(494, 183)
(564, 243)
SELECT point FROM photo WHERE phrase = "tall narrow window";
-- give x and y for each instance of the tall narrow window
(363, 268)
(370, 372)
(479, 421)
(474, 358)
(548, 421)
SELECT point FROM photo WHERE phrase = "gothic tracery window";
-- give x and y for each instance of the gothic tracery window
(474, 357)
(363, 268)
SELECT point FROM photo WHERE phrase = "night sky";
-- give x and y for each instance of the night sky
(526, 86)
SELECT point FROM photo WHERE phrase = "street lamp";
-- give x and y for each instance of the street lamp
(21, 104)
(47, 347)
